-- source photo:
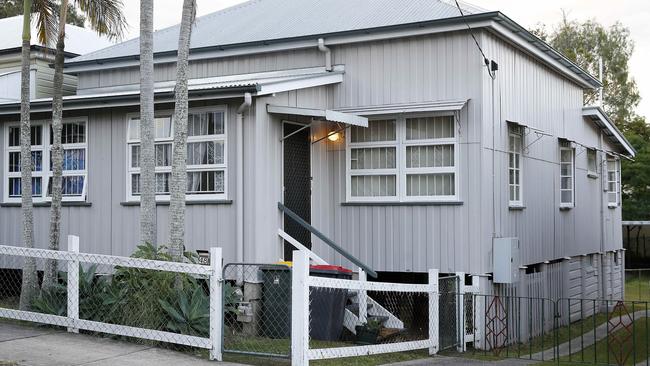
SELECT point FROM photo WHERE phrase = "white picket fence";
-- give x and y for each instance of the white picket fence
(74, 323)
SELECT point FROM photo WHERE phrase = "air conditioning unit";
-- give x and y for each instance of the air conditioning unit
(505, 260)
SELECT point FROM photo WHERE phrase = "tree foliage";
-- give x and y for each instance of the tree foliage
(585, 43)
(10, 8)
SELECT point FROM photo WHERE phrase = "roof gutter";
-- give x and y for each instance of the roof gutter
(75, 102)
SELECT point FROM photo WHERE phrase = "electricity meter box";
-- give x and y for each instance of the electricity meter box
(505, 259)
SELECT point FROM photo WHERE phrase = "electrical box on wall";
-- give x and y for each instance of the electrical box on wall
(505, 260)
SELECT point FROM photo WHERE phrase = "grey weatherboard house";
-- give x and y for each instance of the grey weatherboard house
(459, 168)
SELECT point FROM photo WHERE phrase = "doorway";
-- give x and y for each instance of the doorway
(297, 183)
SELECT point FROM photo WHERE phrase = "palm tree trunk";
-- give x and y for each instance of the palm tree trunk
(178, 185)
(147, 162)
(29, 287)
(50, 271)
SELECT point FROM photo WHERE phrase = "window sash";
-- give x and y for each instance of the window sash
(613, 182)
(219, 139)
(515, 155)
(567, 174)
(45, 173)
(404, 174)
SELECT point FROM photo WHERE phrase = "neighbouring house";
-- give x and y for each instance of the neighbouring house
(378, 122)
(78, 42)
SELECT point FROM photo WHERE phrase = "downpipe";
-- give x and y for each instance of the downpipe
(248, 99)
(328, 54)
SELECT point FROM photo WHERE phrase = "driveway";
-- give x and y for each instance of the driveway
(39, 346)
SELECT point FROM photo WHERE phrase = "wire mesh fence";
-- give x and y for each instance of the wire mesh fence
(145, 298)
(257, 309)
(449, 325)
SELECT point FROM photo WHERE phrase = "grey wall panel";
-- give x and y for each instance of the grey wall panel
(91, 82)
(529, 93)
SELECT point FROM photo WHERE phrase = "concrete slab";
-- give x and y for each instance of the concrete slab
(9, 331)
(33, 346)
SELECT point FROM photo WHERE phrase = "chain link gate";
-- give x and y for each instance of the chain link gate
(448, 319)
(257, 309)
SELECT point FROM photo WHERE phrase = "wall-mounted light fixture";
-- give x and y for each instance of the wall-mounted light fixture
(334, 136)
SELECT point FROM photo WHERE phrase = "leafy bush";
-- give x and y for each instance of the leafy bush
(141, 298)
(192, 315)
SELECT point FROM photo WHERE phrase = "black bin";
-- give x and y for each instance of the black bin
(327, 305)
(276, 301)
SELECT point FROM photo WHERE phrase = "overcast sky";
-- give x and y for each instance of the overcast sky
(634, 14)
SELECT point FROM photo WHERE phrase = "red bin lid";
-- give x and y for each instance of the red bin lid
(328, 267)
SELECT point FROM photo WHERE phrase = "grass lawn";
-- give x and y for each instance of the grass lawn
(634, 350)
(537, 344)
(637, 288)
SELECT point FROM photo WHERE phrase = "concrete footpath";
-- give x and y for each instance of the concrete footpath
(39, 346)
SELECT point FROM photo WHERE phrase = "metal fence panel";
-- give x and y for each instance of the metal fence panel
(257, 309)
(448, 324)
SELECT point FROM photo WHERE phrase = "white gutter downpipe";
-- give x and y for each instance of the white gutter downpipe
(248, 99)
(328, 54)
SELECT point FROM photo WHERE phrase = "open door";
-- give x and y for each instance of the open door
(297, 183)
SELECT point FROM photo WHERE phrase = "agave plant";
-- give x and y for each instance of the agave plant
(192, 314)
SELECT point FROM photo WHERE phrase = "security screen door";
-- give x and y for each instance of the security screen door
(297, 184)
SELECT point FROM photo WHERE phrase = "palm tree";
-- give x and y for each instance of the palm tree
(106, 18)
(178, 184)
(147, 158)
(29, 286)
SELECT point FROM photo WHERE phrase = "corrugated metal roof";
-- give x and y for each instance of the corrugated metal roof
(600, 118)
(263, 20)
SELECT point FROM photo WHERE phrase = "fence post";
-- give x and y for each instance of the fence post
(300, 309)
(363, 298)
(433, 312)
(216, 304)
(73, 283)
(460, 315)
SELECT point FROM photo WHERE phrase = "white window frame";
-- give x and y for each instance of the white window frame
(613, 161)
(45, 174)
(520, 135)
(401, 171)
(570, 148)
(592, 173)
(190, 168)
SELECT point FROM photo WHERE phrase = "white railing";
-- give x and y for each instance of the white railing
(72, 321)
(303, 284)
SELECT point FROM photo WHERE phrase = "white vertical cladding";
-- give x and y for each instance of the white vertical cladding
(532, 94)
(404, 237)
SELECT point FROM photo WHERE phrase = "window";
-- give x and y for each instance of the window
(613, 181)
(206, 155)
(75, 151)
(403, 159)
(592, 163)
(567, 183)
(515, 141)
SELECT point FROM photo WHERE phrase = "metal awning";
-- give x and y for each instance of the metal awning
(229, 86)
(325, 114)
(599, 117)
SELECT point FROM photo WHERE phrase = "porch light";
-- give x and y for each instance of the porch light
(334, 136)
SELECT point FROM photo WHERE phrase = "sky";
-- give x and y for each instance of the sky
(634, 14)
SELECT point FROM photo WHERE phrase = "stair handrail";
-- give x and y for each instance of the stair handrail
(327, 240)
